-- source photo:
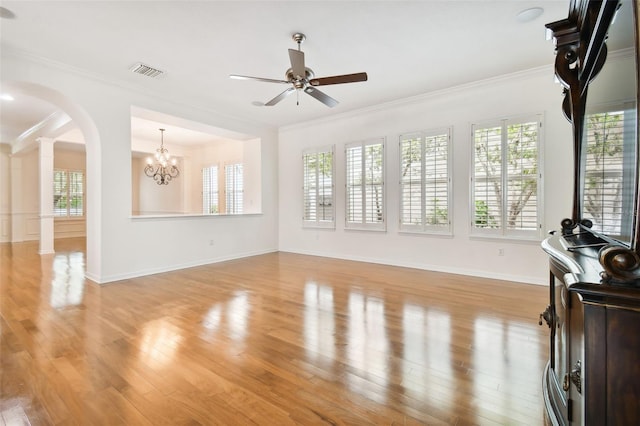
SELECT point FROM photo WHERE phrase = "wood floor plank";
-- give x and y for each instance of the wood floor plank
(280, 338)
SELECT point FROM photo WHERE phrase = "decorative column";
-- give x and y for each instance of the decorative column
(46, 195)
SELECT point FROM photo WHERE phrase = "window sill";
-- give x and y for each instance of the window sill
(365, 229)
(446, 234)
(187, 216)
(513, 239)
(307, 225)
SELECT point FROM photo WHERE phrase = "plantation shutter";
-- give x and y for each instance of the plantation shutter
(354, 184)
(424, 182)
(234, 188)
(436, 178)
(604, 171)
(411, 188)
(76, 194)
(505, 181)
(68, 193)
(318, 209)
(60, 193)
(365, 184)
(487, 177)
(310, 186)
(522, 176)
(210, 191)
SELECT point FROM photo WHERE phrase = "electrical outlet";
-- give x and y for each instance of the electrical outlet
(210, 242)
(500, 252)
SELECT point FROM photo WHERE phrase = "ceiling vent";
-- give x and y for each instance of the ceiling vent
(143, 69)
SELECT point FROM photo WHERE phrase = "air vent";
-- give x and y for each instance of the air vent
(143, 69)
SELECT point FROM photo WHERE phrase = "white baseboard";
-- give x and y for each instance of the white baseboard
(140, 273)
(436, 268)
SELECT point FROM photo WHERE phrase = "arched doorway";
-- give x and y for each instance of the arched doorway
(93, 164)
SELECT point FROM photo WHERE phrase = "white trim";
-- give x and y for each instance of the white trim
(143, 272)
(545, 70)
(524, 279)
(256, 126)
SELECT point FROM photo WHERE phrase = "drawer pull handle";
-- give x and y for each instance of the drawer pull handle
(573, 377)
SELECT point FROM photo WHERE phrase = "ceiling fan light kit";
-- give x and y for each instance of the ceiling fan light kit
(303, 79)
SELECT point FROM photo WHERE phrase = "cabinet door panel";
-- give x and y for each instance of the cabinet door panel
(594, 368)
(576, 358)
(623, 367)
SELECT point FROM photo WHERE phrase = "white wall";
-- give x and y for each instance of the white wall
(19, 194)
(149, 198)
(184, 194)
(523, 93)
(24, 214)
(226, 152)
(5, 192)
(119, 246)
(251, 176)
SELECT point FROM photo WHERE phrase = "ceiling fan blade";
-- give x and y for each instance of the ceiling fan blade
(297, 63)
(246, 77)
(322, 97)
(281, 96)
(339, 79)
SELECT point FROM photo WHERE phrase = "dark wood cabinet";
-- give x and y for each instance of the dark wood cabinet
(593, 374)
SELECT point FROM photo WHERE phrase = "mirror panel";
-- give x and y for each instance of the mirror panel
(609, 152)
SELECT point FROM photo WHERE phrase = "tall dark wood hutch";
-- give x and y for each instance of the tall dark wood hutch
(593, 374)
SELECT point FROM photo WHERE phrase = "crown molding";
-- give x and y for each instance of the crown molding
(24, 55)
(412, 100)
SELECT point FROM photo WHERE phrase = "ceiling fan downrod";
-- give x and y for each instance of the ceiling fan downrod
(299, 38)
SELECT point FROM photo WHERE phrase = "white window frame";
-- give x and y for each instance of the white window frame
(364, 223)
(312, 190)
(207, 195)
(56, 211)
(501, 230)
(422, 225)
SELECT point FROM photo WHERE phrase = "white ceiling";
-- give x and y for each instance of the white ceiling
(407, 49)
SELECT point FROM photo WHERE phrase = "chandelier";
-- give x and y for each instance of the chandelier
(164, 168)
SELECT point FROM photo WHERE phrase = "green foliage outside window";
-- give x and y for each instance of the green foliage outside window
(516, 169)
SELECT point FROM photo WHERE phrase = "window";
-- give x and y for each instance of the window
(609, 134)
(210, 190)
(318, 195)
(425, 185)
(365, 185)
(505, 178)
(68, 193)
(233, 188)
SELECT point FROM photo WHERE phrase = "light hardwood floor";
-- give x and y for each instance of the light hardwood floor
(275, 339)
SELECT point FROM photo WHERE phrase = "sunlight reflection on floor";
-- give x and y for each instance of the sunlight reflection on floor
(67, 285)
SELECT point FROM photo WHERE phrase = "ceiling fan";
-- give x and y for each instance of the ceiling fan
(302, 78)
